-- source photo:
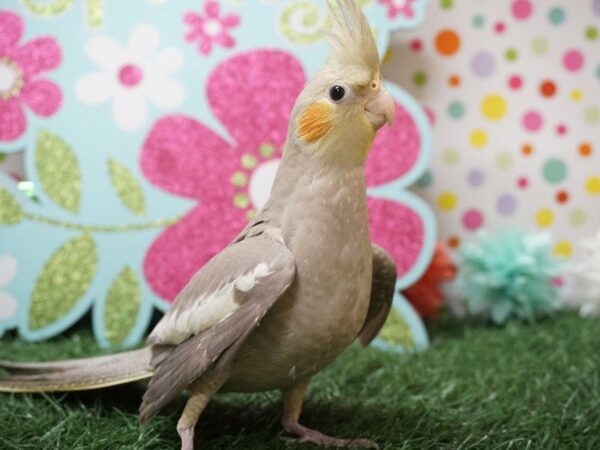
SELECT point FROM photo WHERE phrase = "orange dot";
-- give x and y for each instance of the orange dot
(447, 42)
(562, 197)
(547, 88)
(453, 242)
(527, 149)
(454, 80)
(585, 149)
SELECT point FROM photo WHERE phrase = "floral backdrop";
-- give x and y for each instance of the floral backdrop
(139, 137)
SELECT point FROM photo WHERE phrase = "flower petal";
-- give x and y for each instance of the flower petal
(12, 29)
(143, 41)
(205, 46)
(253, 93)
(181, 250)
(8, 306)
(212, 9)
(166, 62)
(8, 269)
(129, 110)
(230, 20)
(394, 151)
(95, 88)
(164, 93)
(42, 96)
(225, 40)
(106, 53)
(398, 229)
(182, 156)
(38, 56)
(12, 119)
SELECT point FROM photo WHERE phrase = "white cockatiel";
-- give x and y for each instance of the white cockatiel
(295, 287)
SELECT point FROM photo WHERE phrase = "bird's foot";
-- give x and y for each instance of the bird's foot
(309, 435)
(187, 437)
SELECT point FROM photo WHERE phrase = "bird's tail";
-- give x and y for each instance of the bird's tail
(76, 374)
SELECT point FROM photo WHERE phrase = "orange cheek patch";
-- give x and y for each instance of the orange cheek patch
(315, 122)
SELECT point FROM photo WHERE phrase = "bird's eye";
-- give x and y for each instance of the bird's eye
(337, 93)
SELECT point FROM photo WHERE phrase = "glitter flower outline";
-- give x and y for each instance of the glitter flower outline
(20, 81)
(211, 27)
(184, 157)
(131, 76)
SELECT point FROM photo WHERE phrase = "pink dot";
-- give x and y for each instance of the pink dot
(532, 121)
(430, 115)
(472, 219)
(561, 129)
(523, 182)
(521, 9)
(499, 27)
(515, 82)
(130, 75)
(416, 45)
(573, 60)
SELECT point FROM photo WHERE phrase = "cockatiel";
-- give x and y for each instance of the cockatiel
(295, 287)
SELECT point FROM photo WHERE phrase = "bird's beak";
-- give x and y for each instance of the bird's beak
(380, 109)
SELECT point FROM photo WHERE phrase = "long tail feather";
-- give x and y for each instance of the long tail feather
(76, 374)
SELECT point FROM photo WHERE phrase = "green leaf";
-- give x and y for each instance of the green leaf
(10, 210)
(58, 170)
(127, 187)
(396, 331)
(65, 278)
(122, 306)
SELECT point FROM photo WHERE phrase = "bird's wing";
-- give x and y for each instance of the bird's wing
(382, 294)
(214, 314)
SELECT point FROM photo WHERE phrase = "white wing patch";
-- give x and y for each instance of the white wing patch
(207, 311)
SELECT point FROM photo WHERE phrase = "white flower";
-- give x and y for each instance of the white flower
(8, 270)
(584, 281)
(131, 75)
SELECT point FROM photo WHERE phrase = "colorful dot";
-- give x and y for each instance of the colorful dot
(554, 171)
(453, 242)
(425, 180)
(562, 197)
(446, 4)
(521, 9)
(506, 204)
(483, 64)
(241, 201)
(532, 121)
(576, 95)
(504, 160)
(557, 15)
(499, 27)
(478, 21)
(266, 150)
(239, 179)
(248, 161)
(454, 80)
(527, 149)
(596, 7)
(522, 182)
(539, 46)
(573, 60)
(478, 138)
(472, 219)
(456, 110)
(591, 33)
(585, 149)
(511, 54)
(591, 115)
(548, 88)
(420, 78)
(430, 115)
(515, 82)
(475, 178)
(577, 217)
(447, 201)
(493, 107)
(447, 42)
(561, 129)
(544, 217)
(598, 71)
(416, 45)
(450, 157)
(563, 249)
(592, 185)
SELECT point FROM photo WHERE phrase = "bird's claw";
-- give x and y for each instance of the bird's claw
(315, 437)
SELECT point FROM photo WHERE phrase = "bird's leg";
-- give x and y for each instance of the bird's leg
(202, 391)
(292, 406)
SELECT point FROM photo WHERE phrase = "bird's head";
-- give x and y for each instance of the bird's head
(342, 107)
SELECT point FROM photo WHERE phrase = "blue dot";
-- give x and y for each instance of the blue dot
(456, 110)
(557, 15)
(425, 180)
(598, 71)
(478, 21)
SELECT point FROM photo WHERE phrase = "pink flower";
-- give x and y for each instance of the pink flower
(396, 7)
(252, 95)
(20, 66)
(209, 28)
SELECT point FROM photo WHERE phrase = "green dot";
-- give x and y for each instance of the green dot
(539, 46)
(598, 72)
(2, 156)
(239, 179)
(248, 161)
(478, 21)
(557, 15)
(450, 157)
(420, 78)
(591, 115)
(425, 180)
(446, 4)
(577, 217)
(266, 150)
(511, 54)
(241, 201)
(504, 160)
(554, 171)
(456, 110)
(591, 33)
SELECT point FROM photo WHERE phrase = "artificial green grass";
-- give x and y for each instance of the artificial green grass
(523, 386)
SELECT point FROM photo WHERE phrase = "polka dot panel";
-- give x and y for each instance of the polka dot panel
(514, 87)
